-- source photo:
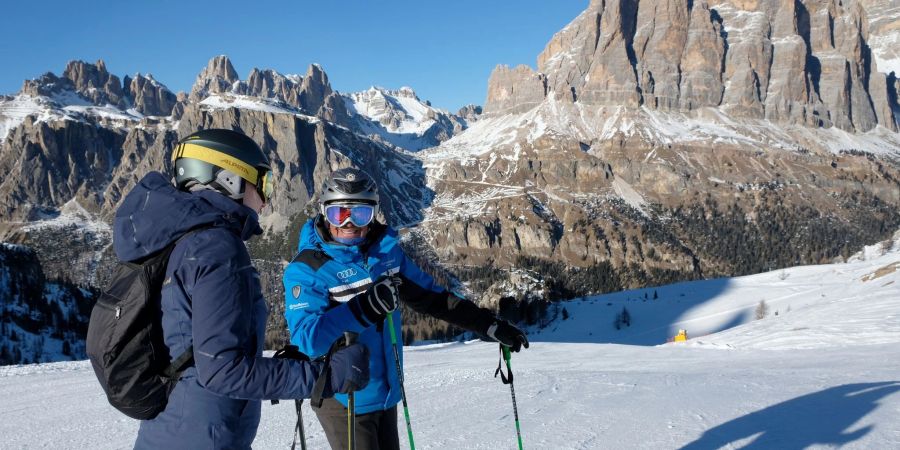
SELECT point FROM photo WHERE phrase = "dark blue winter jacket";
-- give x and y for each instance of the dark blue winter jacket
(325, 275)
(211, 299)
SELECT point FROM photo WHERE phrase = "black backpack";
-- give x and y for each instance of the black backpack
(125, 340)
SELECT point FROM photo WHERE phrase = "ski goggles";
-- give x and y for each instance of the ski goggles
(265, 185)
(359, 215)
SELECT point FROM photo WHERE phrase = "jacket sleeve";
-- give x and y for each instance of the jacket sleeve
(224, 288)
(420, 292)
(314, 322)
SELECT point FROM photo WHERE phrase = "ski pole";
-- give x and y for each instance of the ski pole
(390, 321)
(292, 352)
(506, 356)
(349, 339)
(299, 428)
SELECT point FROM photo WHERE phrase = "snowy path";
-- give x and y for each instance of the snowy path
(571, 396)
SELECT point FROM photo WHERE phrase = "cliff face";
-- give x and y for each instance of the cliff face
(669, 139)
(788, 61)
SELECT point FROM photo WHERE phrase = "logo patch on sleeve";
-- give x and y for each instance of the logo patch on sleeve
(296, 291)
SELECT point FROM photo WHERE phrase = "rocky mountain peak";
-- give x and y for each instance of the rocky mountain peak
(149, 96)
(217, 77)
(95, 83)
(90, 81)
(46, 85)
(314, 89)
(268, 83)
(470, 112)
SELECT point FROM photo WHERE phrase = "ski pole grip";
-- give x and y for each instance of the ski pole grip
(506, 355)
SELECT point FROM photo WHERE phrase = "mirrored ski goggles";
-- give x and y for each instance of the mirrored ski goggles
(265, 185)
(359, 215)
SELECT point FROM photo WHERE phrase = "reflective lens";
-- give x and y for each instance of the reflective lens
(359, 215)
(266, 186)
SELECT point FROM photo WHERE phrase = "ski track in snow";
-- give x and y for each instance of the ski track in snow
(821, 374)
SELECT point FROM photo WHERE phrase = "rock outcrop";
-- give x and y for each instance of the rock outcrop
(314, 89)
(95, 83)
(149, 97)
(218, 76)
(702, 60)
(92, 82)
(512, 91)
(789, 61)
(470, 112)
(270, 84)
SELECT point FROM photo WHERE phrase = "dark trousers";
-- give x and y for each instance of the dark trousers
(374, 431)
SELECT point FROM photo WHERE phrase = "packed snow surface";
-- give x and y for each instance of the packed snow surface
(822, 373)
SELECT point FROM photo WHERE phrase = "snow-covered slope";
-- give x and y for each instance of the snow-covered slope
(806, 307)
(401, 118)
(820, 374)
(884, 33)
(63, 106)
(557, 120)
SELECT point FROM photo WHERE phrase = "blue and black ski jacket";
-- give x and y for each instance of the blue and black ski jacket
(211, 299)
(325, 275)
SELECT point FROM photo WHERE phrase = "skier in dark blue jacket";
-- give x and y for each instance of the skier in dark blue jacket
(211, 296)
(348, 274)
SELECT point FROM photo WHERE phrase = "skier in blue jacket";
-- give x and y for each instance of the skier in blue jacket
(348, 274)
(211, 296)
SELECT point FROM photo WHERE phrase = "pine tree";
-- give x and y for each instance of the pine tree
(762, 310)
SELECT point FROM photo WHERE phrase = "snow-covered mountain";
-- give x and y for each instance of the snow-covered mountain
(821, 373)
(401, 118)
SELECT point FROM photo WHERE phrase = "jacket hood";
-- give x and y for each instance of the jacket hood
(155, 214)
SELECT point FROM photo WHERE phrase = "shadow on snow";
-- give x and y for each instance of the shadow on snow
(656, 315)
(821, 418)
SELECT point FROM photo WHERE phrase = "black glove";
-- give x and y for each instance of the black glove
(380, 299)
(349, 370)
(507, 334)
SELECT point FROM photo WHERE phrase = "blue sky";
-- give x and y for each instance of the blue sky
(444, 50)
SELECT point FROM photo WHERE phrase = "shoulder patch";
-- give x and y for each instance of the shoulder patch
(313, 258)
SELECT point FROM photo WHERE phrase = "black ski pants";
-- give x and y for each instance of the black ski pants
(374, 431)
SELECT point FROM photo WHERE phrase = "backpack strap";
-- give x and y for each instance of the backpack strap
(314, 258)
(186, 359)
(179, 364)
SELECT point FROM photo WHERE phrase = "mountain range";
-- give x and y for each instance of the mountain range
(654, 141)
